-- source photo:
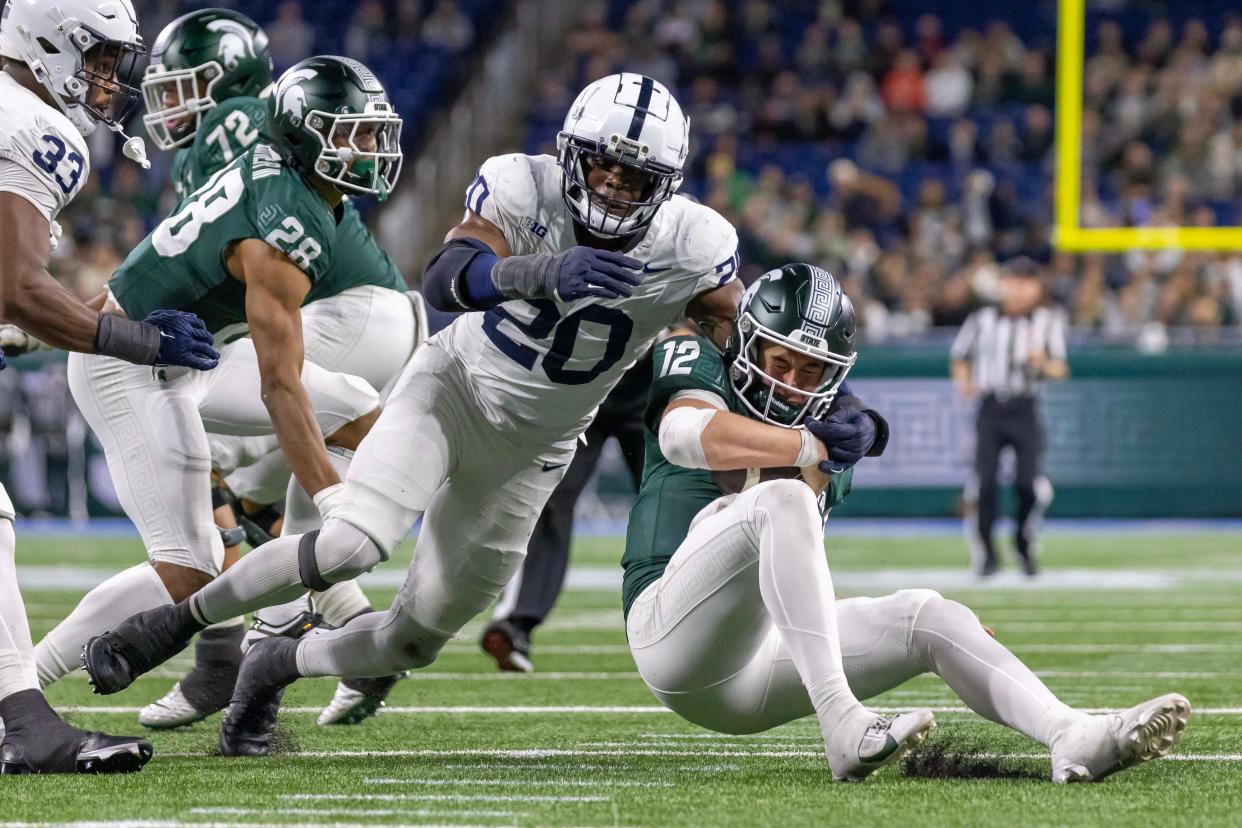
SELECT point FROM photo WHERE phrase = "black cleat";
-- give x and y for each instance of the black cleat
(509, 645)
(139, 644)
(74, 751)
(269, 667)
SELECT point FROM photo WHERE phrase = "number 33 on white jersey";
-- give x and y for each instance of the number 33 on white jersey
(48, 160)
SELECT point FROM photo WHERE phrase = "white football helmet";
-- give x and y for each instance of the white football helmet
(53, 38)
(633, 121)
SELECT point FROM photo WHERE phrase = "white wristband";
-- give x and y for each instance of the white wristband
(809, 453)
(328, 498)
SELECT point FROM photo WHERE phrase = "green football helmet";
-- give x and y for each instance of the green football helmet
(801, 307)
(199, 60)
(331, 119)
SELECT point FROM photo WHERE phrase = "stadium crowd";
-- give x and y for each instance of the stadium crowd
(912, 160)
(909, 160)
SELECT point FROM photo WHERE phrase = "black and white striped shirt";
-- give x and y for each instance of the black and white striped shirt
(998, 346)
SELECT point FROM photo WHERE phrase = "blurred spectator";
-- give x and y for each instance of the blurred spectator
(366, 33)
(447, 26)
(291, 37)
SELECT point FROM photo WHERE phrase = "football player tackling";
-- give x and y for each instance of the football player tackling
(479, 429)
(730, 611)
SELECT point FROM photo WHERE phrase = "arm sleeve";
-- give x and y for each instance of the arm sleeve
(964, 342)
(21, 181)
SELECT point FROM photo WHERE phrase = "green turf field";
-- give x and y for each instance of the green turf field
(582, 743)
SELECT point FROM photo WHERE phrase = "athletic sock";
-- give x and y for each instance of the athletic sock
(797, 592)
(950, 641)
(127, 593)
(341, 603)
(217, 658)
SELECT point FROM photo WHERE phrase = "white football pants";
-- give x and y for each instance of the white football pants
(17, 663)
(153, 426)
(370, 332)
(708, 648)
(433, 453)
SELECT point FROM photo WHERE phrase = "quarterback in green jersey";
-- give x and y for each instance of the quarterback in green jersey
(245, 250)
(206, 94)
(730, 611)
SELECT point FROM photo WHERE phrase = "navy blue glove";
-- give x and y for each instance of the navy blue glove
(184, 340)
(585, 271)
(3, 361)
(847, 434)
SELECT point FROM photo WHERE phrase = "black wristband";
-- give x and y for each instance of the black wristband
(136, 342)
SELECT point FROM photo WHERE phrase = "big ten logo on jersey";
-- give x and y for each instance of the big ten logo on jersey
(63, 165)
(535, 227)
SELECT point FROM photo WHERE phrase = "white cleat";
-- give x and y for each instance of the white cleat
(171, 711)
(358, 699)
(884, 740)
(1098, 746)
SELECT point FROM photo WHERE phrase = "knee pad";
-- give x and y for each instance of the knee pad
(338, 552)
(788, 500)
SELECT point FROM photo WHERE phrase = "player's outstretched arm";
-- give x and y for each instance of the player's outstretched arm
(43, 308)
(697, 434)
(275, 288)
(475, 270)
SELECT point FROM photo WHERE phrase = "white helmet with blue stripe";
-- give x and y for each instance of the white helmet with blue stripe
(629, 120)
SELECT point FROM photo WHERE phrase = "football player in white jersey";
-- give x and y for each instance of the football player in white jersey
(67, 66)
(480, 427)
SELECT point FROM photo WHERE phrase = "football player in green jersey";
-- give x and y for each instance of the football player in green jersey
(245, 251)
(206, 96)
(730, 611)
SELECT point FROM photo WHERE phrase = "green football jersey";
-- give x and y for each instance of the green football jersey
(671, 495)
(180, 266)
(226, 132)
(231, 128)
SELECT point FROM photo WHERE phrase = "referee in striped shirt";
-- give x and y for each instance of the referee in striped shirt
(1001, 355)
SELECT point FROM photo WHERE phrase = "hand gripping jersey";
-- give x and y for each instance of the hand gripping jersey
(181, 264)
(49, 159)
(547, 364)
(230, 129)
(670, 495)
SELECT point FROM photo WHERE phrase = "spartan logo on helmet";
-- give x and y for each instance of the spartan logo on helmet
(291, 97)
(236, 42)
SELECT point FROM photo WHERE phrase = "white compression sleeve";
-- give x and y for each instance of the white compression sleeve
(133, 590)
(681, 436)
(17, 664)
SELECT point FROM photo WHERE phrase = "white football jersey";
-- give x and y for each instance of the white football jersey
(50, 154)
(547, 364)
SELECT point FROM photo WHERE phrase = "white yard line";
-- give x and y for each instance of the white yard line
(356, 812)
(414, 797)
(571, 783)
(589, 710)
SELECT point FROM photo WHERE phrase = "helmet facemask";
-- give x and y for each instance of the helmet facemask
(175, 125)
(345, 161)
(771, 399)
(610, 216)
(108, 65)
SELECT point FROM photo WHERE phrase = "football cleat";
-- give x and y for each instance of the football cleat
(358, 699)
(138, 644)
(268, 668)
(1098, 746)
(271, 622)
(174, 710)
(84, 752)
(509, 645)
(885, 740)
